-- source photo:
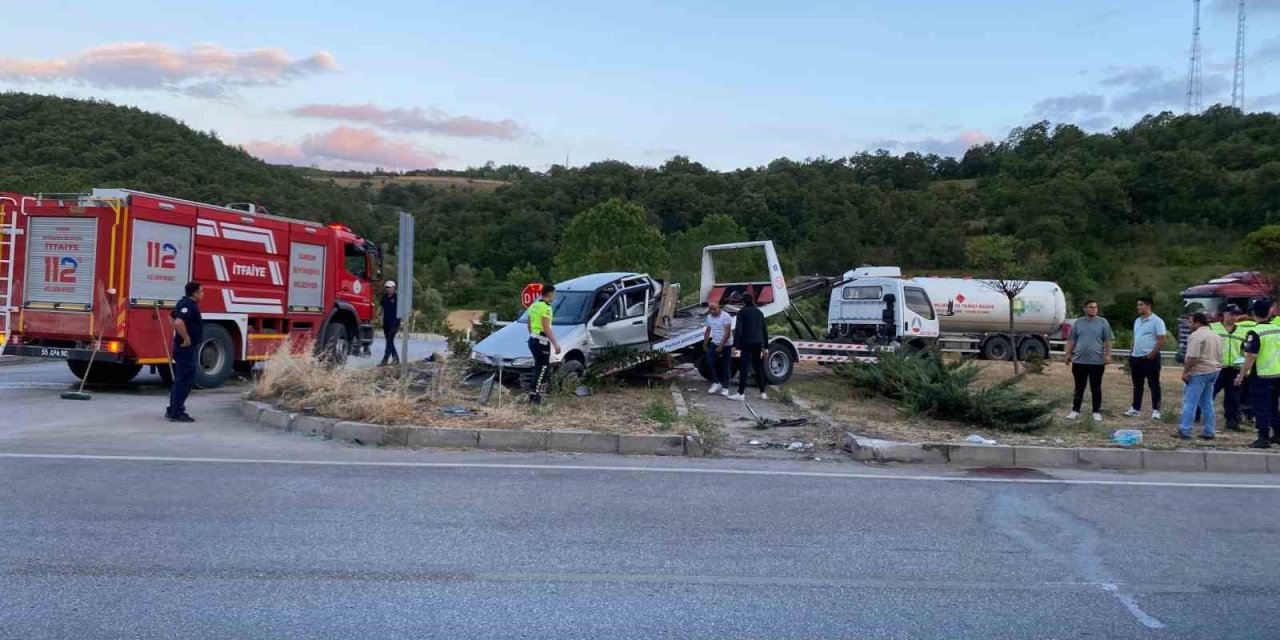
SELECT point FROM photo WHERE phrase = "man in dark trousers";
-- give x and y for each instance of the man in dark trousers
(188, 330)
(750, 335)
(1261, 368)
(390, 321)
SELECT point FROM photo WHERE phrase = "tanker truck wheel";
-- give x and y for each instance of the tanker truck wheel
(1033, 349)
(997, 348)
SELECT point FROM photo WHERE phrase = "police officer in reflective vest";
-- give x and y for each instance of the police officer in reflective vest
(1232, 334)
(541, 341)
(188, 328)
(1262, 367)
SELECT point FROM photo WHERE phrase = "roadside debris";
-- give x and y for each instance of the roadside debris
(770, 423)
(457, 411)
(977, 439)
(1127, 437)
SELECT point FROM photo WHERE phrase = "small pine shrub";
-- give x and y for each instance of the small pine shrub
(928, 387)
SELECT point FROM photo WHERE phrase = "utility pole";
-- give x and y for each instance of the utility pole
(1237, 78)
(1194, 90)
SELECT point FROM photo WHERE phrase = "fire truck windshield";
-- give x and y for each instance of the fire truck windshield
(1209, 305)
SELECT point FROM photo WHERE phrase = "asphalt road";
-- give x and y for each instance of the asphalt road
(117, 524)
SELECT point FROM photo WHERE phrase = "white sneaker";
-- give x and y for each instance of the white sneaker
(764, 396)
(724, 392)
(715, 388)
(1155, 415)
(1132, 413)
(1073, 415)
(1097, 417)
(737, 396)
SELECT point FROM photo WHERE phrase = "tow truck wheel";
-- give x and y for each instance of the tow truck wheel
(335, 346)
(778, 365)
(214, 357)
(104, 372)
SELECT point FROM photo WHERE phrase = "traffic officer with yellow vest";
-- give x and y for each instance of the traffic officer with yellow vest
(541, 340)
(1232, 334)
(1262, 367)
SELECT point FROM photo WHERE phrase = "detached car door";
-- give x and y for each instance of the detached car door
(624, 320)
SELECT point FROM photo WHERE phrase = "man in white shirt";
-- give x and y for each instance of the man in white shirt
(718, 343)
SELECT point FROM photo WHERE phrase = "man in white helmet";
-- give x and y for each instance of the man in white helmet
(390, 321)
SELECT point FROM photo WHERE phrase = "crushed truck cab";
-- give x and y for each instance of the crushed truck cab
(97, 275)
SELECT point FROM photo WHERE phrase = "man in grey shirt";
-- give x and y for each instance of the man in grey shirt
(1088, 352)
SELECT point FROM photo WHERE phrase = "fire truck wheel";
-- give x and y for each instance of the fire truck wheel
(214, 357)
(335, 345)
(104, 372)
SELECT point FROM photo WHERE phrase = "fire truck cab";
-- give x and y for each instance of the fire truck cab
(102, 272)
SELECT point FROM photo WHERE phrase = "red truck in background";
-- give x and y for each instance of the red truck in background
(104, 270)
(1240, 288)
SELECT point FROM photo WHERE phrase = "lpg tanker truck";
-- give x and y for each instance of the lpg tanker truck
(971, 316)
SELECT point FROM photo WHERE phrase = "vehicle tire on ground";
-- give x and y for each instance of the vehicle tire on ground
(215, 355)
(700, 363)
(104, 372)
(997, 348)
(568, 375)
(779, 364)
(1033, 348)
(335, 345)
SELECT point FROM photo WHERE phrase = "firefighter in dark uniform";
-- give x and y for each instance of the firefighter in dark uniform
(390, 321)
(541, 341)
(1262, 368)
(188, 330)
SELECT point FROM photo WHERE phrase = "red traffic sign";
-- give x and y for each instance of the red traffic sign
(530, 294)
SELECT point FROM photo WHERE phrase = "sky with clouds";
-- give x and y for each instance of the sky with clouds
(422, 84)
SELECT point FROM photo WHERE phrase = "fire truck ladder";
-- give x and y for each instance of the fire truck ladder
(8, 243)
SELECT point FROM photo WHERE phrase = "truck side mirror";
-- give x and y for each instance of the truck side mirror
(951, 308)
(601, 320)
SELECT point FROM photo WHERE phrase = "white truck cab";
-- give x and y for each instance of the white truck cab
(876, 304)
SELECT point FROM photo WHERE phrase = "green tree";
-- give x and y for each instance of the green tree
(611, 236)
(686, 249)
(438, 272)
(1261, 250)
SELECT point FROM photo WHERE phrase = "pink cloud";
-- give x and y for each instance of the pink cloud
(973, 137)
(205, 70)
(346, 148)
(415, 119)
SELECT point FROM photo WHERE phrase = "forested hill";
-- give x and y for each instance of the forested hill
(58, 145)
(1150, 207)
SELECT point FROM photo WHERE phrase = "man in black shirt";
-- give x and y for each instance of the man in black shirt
(390, 321)
(750, 335)
(188, 334)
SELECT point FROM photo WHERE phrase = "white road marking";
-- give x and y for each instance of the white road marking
(18, 386)
(629, 469)
(1129, 603)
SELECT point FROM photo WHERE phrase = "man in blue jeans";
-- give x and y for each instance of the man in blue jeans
(1199, 372)
(718, 344)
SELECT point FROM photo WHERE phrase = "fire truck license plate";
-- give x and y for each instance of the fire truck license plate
(53, 353)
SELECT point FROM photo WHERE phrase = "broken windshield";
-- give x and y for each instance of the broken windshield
(569, 307)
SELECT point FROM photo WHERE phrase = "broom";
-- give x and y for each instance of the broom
(79, 394)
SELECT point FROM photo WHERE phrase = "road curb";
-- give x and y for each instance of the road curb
(986, 455)
(418, 436)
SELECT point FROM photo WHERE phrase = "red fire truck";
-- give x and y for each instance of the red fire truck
(101, 272)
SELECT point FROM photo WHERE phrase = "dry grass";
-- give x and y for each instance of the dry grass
(878, 417)
(299, 382)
